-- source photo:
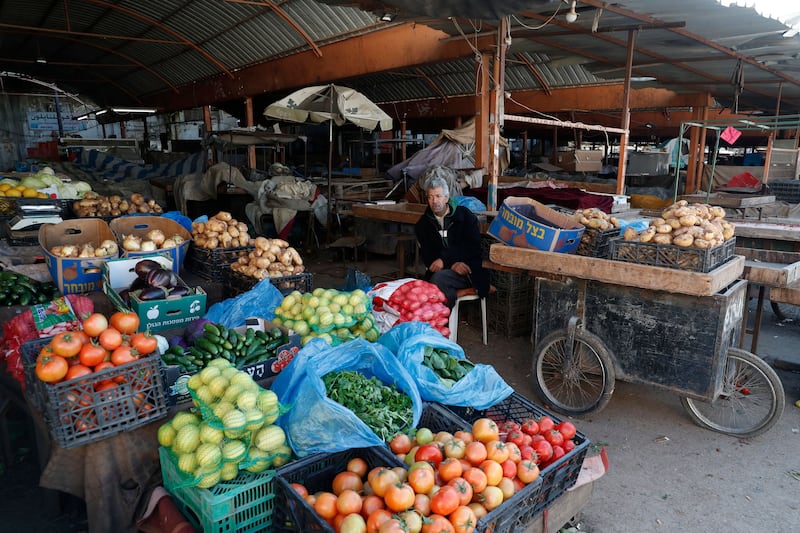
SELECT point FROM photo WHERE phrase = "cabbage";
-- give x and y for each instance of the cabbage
(67, 190)
(9, 181)
(47, 170)
(82, 186)
(32, 182)
(47, 179)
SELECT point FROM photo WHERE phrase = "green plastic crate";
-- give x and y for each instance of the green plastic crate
(241, 505)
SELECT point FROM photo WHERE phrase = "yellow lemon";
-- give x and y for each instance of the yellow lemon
(14, 193)
(20, 188)
(30, 193)
(4, 187)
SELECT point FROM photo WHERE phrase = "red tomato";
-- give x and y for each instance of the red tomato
(122, 355)
(421, 480)
(567, 429)
(568, 445)
(558, 453)
(400, 443)
(346, 481)
(485, 430)
(463, 488)
(51, 368)
(546, 424)
(95, 324)
(543, 451)
(399, 497)
(66, 344)
(110, 338)
(144, 343)
(516, 436)
(530, 426)
(509, 468)
(429, 453)
(445, 501)
(449, 469)
(92, 354)
(527, 471)
(76, 371)
(463, 520)
(526, 452)
(126, 322)
(554, 437)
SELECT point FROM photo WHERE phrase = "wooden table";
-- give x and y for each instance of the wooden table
(402, 213)
(731, 200)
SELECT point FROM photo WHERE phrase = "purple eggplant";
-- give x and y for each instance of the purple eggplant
(153, 293)
(143, 267)
(179, 290)
(138, 284)
(126, 296)
(161, 277)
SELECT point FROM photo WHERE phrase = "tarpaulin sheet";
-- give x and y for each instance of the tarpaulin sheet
(112, 168)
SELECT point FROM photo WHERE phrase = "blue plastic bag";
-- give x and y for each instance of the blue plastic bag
(315, 423)
(471, 203)
(259, 301)
(481, 388)
(180, 218)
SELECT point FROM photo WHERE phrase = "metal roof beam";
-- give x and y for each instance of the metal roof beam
(411, 45)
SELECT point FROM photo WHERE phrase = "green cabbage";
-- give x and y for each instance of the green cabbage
(82, 186)
(48, 179)
(9, 181)
(68, 190)
(47, 170)
(32, 182)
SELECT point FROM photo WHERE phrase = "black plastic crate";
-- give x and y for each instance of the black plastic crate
(596, 243)
(437, 418)
(238, 283)
(671, 256)
(77, 414)
(213, 265)
(785, 190)
(316, 472)
(555, 478)
(510, 310)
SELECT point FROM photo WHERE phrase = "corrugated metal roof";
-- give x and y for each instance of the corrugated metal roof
(124, 52)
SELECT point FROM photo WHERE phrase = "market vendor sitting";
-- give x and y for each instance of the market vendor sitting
(450, 244)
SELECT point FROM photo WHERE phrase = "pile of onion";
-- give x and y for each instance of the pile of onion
(152, 241)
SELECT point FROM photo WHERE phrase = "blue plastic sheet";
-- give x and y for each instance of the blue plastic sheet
(481, 388)
(471, 203)
(260, 301)
(315, 423)
(180, 218)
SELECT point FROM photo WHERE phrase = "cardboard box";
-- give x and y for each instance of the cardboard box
(526, 223)
(75, 275)
(262, 372)
(579, 160)
(141, 225)
(155, 315)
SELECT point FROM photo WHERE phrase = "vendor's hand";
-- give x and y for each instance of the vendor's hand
(436, 266)
(462, 269)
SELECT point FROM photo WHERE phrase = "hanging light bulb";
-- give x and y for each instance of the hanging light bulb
(571, 15)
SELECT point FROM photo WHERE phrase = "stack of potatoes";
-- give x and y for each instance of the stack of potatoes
(682, 224)
(595, 218)
(220, 231)
(272, 258)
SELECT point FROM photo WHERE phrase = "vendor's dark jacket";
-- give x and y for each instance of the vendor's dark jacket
(463, 243)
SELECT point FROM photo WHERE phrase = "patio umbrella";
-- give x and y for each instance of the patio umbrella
(334, 104)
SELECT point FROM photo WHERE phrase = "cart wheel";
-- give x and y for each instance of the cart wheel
(573, 383)
(751, 402)
(785, 311)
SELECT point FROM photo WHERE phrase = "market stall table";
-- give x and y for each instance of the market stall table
(668, 328)
(732, 200)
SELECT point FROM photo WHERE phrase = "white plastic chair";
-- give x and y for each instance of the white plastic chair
(467, 295)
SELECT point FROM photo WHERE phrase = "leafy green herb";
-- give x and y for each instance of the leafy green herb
(449, 369)
(384, 409)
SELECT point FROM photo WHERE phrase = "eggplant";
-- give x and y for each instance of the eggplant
(153, 293)
(126, 296)
(138, 284)
(143, 267)
(161, 277)
(179, 290)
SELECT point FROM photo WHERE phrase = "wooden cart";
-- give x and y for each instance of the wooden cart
(597, 320)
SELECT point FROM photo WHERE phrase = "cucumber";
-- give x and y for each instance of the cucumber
(205, 344)
(211, 328)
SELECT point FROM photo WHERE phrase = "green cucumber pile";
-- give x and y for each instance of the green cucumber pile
(449, 369)
(19, 289)
(218, 341)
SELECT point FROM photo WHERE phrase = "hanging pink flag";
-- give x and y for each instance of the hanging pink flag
(730, 135)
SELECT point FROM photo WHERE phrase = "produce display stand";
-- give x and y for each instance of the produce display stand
(668, 328)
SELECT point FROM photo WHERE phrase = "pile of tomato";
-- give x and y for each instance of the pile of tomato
(451, 482)
(102, 343)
